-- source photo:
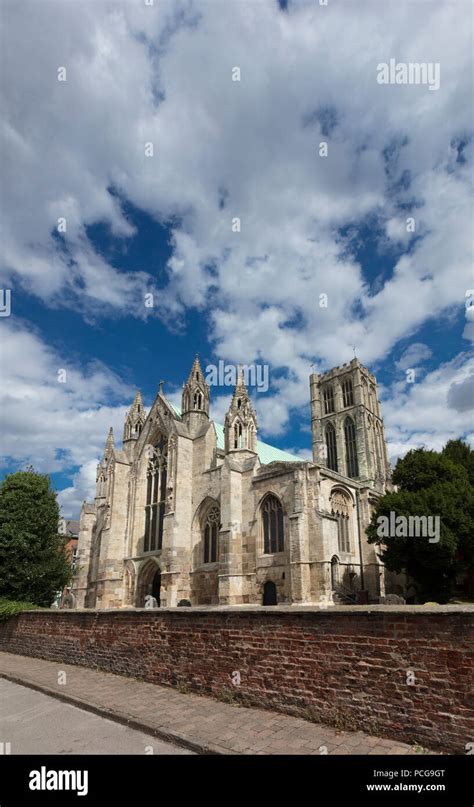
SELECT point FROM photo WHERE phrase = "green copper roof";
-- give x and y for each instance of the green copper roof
(266, 452)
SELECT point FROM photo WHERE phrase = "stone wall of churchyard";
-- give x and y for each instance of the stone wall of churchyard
(404, 672)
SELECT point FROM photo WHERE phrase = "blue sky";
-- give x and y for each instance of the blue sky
(161, 223)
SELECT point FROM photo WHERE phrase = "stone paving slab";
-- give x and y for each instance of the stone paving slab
(200, 723)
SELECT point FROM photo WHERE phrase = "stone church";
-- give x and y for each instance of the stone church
(198, 513)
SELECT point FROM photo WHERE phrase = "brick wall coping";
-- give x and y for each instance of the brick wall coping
(403, 610)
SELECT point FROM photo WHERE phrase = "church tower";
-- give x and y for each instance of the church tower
(195, 398)
(134, 421)
(241, 421)
(347, 426)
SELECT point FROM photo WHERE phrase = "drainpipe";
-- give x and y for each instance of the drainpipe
(360, 542)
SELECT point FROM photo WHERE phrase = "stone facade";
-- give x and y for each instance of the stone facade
(192, 511)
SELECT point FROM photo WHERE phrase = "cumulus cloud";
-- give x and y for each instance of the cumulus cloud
(461, 395)
(432, 411)
(415, 354)
(248, 149)
(56, 415)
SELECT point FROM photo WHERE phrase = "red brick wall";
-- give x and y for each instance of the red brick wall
(344, 666)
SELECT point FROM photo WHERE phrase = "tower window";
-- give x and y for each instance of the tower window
(347, 392)
(155, 497)
(328, 396)
(351, 448)
(331, 447)
(210, 534)
(272, 522)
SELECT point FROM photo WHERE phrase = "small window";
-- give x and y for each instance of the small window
(238, 436)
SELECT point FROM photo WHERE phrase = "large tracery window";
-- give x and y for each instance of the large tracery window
(211, 535)
(273, 529)
(341, 507)
(351, 448)
(155, 496)
(331, 447)
(328, 397)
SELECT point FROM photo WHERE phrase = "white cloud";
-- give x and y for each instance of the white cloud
(432, 411)
(54, 425)
(414, 354)
(162, 74)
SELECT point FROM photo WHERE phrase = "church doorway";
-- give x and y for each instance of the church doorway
(269, 593)
(156, 586)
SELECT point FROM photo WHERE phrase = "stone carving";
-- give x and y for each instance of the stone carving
(150, 601)
(392, 599)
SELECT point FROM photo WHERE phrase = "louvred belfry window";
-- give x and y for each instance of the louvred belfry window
(347, 393)
(331, 447)
(351, 448)
(328, 397)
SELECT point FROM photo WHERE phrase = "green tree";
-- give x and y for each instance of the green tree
(459, 452)
(430, 484)
(33, 563)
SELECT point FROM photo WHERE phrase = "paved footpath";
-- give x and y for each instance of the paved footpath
(195, 722)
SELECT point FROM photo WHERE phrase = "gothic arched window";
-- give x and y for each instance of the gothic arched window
(211, 534)
(334, 572)
(197, 400)
(155, 496)
(238, 435)
(351, 448)
(341, 508)
(331, 447)
(328, 397)
(272, 522)
(347, 392)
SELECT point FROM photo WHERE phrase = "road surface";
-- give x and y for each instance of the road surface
(34, 723)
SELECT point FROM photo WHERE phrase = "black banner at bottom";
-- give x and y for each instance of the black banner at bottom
(64, 780)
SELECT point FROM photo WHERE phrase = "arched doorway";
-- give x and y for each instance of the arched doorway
(269, 593)
(156, 586)
(149, 582)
